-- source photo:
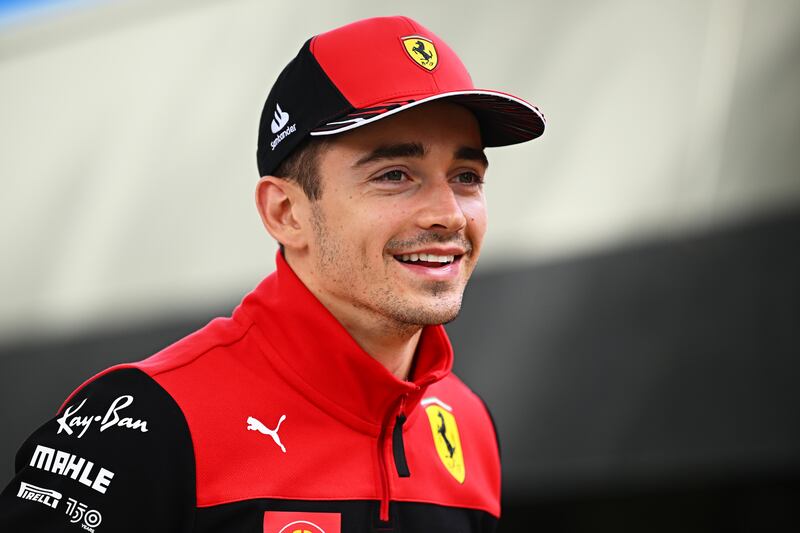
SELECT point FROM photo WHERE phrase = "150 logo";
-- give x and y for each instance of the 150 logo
(79, 513)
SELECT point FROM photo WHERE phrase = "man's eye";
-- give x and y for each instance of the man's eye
(392, 176)
(469, 178)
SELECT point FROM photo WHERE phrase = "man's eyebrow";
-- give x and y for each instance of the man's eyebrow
(472, 154)
(391, 151)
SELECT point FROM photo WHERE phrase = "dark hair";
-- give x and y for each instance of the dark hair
(302, 166)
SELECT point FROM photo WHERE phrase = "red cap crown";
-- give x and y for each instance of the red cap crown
(370, 64)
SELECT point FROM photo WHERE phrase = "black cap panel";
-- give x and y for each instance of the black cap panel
(302, 98)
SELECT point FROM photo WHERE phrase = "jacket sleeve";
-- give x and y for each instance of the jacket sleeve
(118, 457)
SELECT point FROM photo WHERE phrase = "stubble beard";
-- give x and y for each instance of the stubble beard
(376, 295)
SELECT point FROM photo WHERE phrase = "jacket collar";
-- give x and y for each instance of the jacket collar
(316, 354)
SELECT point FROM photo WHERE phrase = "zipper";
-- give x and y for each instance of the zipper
(383, 514)
(398, 448)
(398, 453)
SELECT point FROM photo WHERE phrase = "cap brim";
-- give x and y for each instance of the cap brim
(503, 119)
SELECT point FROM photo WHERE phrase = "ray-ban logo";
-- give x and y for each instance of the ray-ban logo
(70, 421)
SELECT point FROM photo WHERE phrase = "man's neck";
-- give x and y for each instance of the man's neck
(391, 343)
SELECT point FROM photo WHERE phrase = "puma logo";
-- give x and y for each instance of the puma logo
(253, 424)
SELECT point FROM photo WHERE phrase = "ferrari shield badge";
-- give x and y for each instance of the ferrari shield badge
(447, 440)
(422, 51)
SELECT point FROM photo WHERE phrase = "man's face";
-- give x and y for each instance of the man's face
(398, 229)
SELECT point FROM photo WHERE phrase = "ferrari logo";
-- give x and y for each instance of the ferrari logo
(447, 441)
(422, 51)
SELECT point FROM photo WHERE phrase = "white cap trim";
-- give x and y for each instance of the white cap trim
(357, 122)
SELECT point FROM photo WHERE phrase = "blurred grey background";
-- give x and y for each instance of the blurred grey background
(633, 323)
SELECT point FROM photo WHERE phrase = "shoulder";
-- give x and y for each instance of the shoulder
(120, 442)
(125, 439)
(455, 396)
(120, 398)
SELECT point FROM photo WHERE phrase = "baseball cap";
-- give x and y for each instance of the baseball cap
(369, 70)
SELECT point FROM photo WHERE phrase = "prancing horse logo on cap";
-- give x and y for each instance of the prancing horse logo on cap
(422, 51)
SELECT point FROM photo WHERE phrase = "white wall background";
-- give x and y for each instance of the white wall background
(128, 133)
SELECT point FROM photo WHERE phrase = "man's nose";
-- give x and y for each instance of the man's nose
(441, 208)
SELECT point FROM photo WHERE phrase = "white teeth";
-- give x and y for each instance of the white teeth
(428, 258)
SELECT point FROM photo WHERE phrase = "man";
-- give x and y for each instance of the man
(325, 402)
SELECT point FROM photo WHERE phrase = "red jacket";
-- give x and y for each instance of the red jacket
(272, 417)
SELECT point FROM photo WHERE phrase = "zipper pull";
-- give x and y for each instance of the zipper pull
(398, 448)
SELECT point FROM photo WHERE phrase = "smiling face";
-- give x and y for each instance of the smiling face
(398, 228)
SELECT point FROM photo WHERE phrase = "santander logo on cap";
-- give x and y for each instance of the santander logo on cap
(280, 120)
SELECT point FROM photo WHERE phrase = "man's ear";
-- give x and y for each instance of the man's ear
(281, 204)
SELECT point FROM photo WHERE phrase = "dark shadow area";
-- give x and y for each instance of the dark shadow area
(765, 503)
